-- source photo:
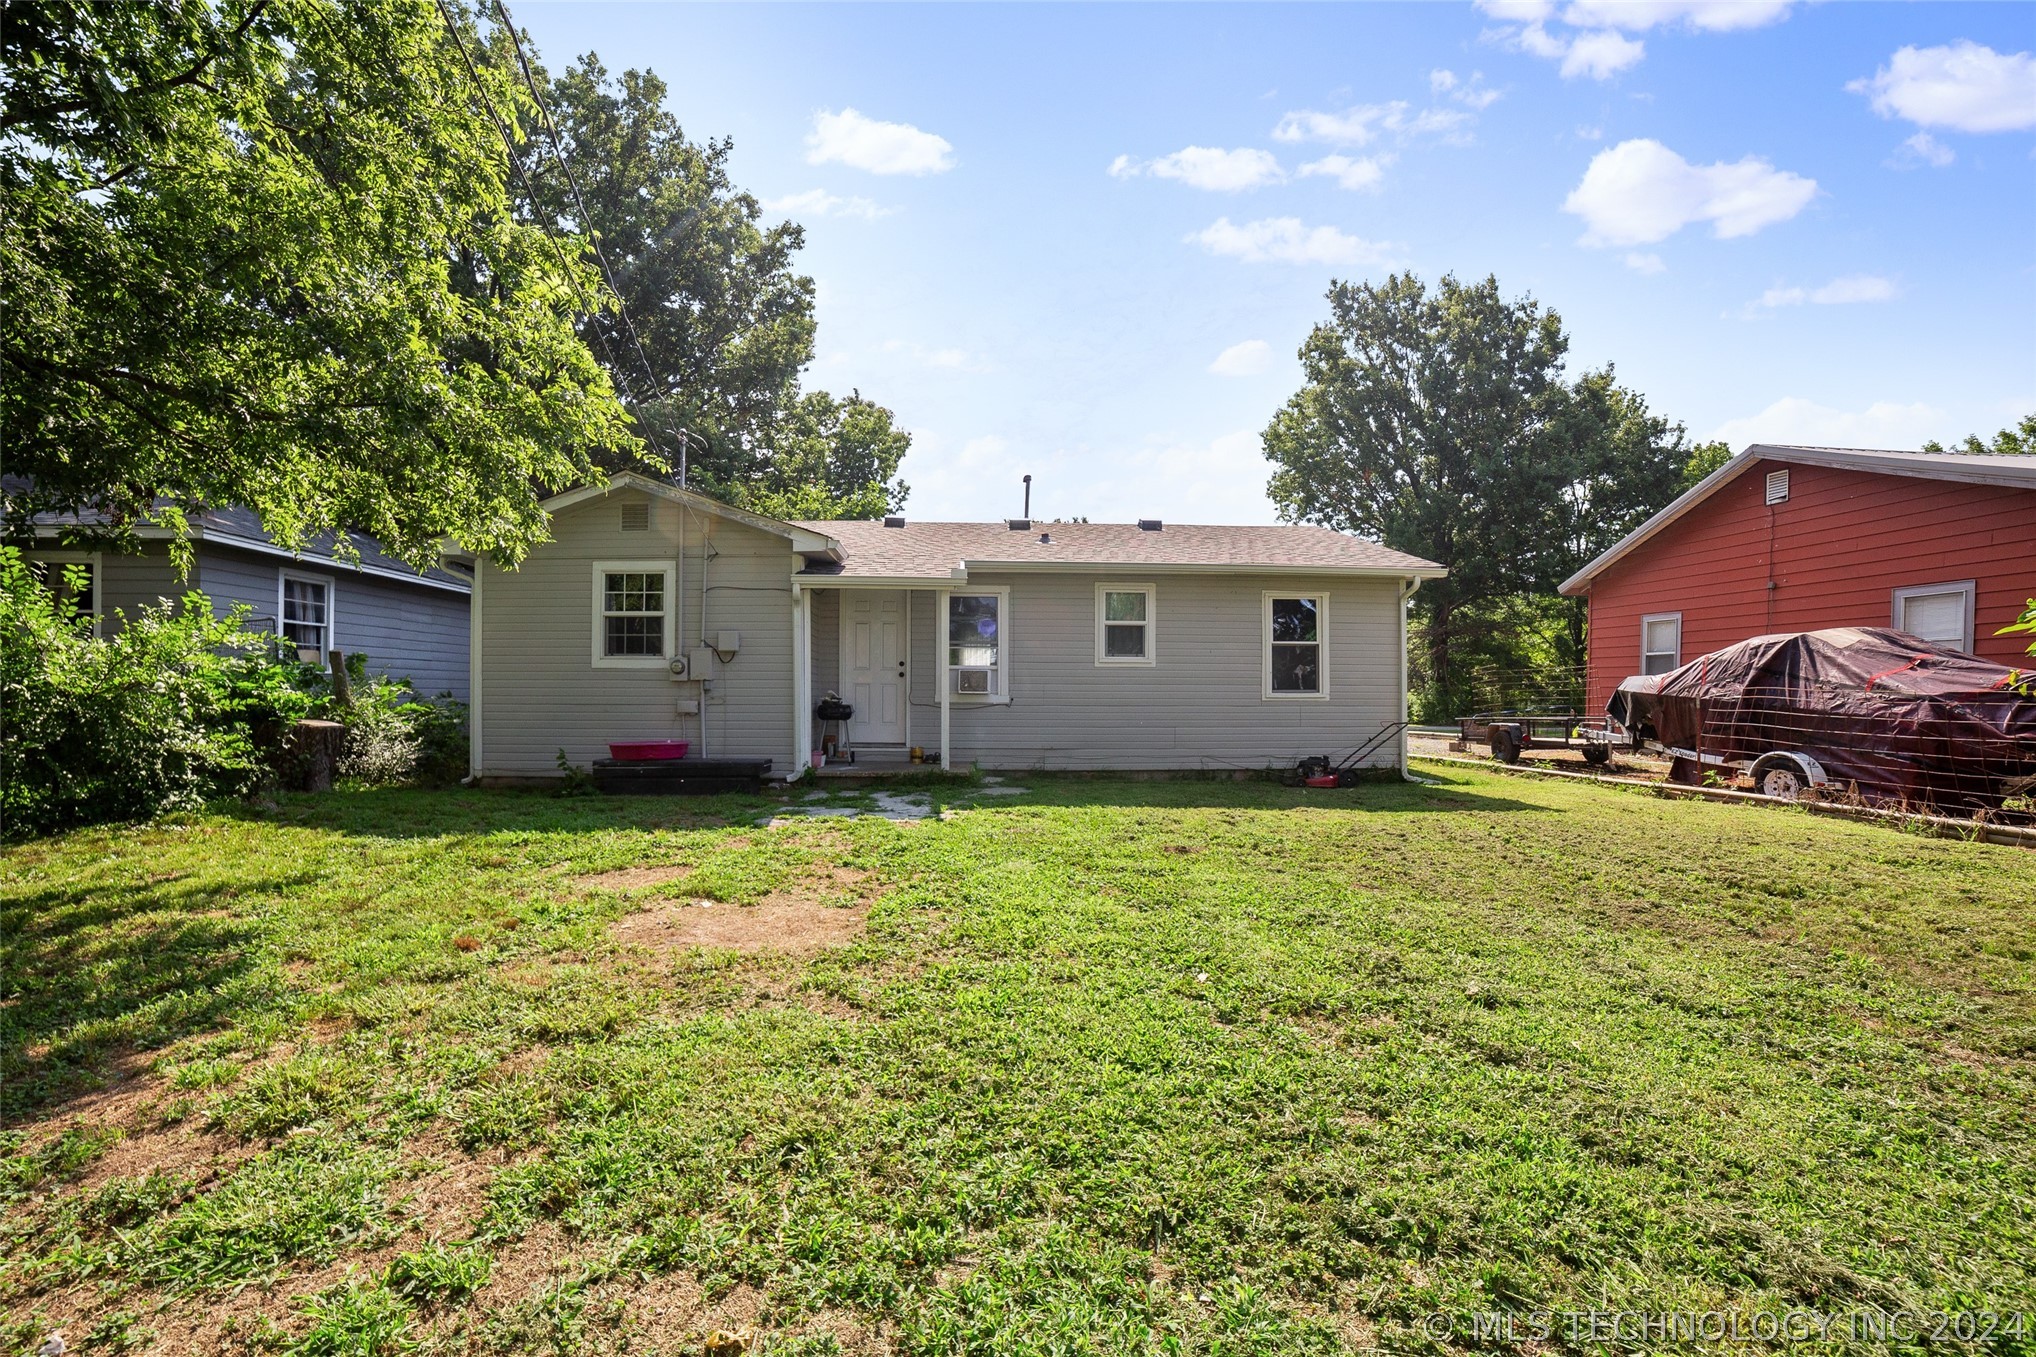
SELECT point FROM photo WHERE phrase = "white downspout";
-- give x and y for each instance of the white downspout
(679, 627)
(1408, 588)
(706, 559)
(946, 682)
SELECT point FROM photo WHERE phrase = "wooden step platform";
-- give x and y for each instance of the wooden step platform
(680, 777)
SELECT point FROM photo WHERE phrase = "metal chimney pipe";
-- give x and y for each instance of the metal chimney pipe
(1028, 495)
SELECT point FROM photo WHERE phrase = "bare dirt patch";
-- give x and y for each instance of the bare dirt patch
(822, 909)
(634, 878)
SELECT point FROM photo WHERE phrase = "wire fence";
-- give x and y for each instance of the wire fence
(1961, 754)
(1545, 688)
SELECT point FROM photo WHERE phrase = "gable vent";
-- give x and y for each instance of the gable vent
(1150, 525)
(1777, 487)
(636, 516)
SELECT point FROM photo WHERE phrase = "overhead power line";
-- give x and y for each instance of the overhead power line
(615, 365)
(558, 151)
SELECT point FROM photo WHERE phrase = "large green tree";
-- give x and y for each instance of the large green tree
(720, 323)
(261, 252)
(1441, 423)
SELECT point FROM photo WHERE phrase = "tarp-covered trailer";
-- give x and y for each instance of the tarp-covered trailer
(1894, 717)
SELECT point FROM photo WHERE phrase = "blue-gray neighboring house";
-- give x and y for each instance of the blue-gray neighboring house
(409, 624)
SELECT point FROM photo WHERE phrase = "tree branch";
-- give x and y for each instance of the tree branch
(194, 76)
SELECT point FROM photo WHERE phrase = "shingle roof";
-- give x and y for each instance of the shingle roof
(938, 550)
(238, 527)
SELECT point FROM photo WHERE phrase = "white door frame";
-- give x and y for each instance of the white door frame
(843, 666)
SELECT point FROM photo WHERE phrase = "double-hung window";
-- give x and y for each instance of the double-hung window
(978, 644)
(1295, 659)
(305, 611)
(1938, 613)
(1661, 643)
(632, 614)
(1124, 623)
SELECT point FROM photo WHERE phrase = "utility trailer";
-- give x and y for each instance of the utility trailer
(1509, 734)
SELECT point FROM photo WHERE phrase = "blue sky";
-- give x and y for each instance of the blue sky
(1085, 241)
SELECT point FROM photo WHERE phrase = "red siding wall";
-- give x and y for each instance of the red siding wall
(1836, 551)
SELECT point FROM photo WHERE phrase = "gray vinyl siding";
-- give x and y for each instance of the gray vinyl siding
(541, 691)
(1201, 706)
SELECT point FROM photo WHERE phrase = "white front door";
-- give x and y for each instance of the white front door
(873, 663)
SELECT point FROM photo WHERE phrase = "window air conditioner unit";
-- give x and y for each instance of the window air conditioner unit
(972, 681)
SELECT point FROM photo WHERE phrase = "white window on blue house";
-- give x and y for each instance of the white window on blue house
(306, 616)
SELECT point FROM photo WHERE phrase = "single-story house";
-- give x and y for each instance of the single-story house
(1781, 539)
(409, 624)
(656, 613)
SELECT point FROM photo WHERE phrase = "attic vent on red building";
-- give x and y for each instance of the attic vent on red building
(636, 516)
(1777, 487)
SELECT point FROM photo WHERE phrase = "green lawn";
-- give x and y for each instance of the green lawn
(1111, 1067)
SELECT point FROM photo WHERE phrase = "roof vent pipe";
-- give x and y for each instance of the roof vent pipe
(1149, 525)
(1028, 495)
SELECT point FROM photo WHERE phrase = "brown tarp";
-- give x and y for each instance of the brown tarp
(1894, 716)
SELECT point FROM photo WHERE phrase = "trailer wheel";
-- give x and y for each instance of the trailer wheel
(1506, 745)
(1597, 755)
(1780, 777)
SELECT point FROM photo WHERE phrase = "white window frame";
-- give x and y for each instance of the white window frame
(1676, 618)
(93, 559)
(599, 628)
(1265, 647)
(1899, 602)
(1000, 677)
(1151, 625)
(331, 589)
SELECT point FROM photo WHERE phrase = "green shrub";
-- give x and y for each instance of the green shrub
(155, 718)
(395, 737)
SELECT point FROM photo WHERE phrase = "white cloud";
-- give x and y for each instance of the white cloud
(1600, 55)
(1588, 132)
(1207, 167)
(1639, 192)
(1963, 86)
(1221, 480)
(1853, 288)
(1518, 11)
(1792, 419)
(1645, 263)
(818, 202)
(1712, 15)
(1471, 93)
(864, 143)
(1365, 123)
(1285, 240)
(1247, 359)
(1363, 172)
(1922, 149)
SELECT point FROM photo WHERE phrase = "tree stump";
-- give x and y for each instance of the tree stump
(311, 755)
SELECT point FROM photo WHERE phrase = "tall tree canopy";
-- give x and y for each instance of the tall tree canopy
(1441, 423)
(724, 322)
(261, 252)
(2019, 441)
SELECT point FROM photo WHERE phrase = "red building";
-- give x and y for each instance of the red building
(1941, 545)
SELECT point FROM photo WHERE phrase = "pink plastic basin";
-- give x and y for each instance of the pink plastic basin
(644, 751)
